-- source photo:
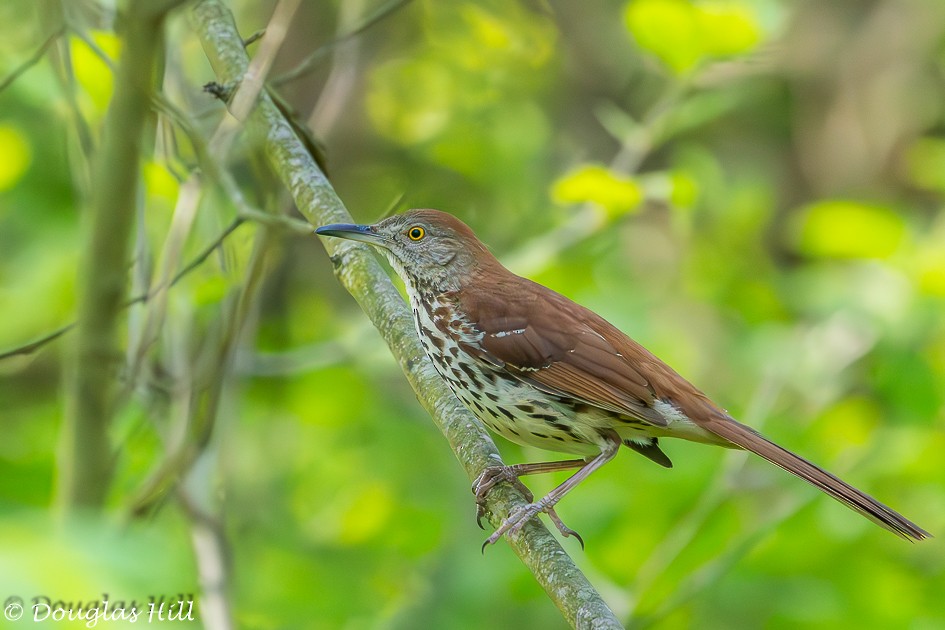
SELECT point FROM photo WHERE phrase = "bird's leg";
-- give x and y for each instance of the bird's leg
(521, 515)
(494, 474)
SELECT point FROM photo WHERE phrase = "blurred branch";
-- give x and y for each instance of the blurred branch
(304, 359)
(248, 214)
(188, 199)
(716, 491)
(309, 63)
(191, 456)
(343, 76)
(365, 279)
(35, 345)
(703, 578)
(200, 425)
(86, 469)
(208, 536)
(209, 539)
(32, 61)
(56, 15)
(252, 81)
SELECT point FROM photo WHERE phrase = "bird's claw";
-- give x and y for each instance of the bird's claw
(564, 529)
(515, 522)
(520, 515)
(487, 480)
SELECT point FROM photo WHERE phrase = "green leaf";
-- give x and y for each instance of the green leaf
(684, 191)
(17, 155)
(682, 34)
(848, 229)
(91, 71)
(597, 184)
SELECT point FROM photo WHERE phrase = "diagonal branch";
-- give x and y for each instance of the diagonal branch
(365, 279)
(33, 60)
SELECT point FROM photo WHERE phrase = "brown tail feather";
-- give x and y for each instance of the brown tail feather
(751, 440)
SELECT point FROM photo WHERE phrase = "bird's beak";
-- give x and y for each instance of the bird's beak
(350, 231)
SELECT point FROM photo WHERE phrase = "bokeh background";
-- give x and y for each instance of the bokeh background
(754, 189)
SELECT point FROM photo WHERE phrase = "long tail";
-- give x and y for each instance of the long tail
(750, 440)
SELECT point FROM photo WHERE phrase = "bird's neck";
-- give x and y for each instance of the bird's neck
(450, 278)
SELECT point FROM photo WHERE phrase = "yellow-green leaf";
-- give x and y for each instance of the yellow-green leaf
(849, 229)
(91, 71)
(929, 269)
(684, 189)
(597, 184)
(17, 155)
(160, 182)
(681, 34)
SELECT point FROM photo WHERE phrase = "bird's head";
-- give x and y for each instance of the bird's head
(431, 250)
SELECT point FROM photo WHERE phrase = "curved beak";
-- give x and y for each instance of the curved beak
(350, 231)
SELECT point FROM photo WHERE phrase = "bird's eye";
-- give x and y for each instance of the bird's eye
(416, 233)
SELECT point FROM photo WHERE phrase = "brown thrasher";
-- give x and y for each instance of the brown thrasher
(539, 369)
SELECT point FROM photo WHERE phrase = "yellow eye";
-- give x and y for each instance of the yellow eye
(416, 233)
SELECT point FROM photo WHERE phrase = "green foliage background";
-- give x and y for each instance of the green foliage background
(755, 190)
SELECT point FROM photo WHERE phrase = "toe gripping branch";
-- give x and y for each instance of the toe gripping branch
(494, 475)
(521, 515)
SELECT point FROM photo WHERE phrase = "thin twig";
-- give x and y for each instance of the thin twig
(309, 63)
(185, 210)
(32, 61)
(36, 344)
(252, 39)
(188, 199)
(335, 94)
(62, 65)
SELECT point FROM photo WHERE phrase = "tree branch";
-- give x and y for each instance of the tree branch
(86, 469)
(362, 275)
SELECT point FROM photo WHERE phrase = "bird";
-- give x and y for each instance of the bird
(541, 370)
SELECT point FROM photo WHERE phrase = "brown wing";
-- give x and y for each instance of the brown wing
(559, 347)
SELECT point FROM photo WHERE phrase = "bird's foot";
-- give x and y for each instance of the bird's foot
(493, 475)
(488, 479)
(521, 515)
